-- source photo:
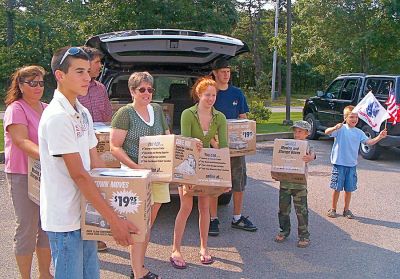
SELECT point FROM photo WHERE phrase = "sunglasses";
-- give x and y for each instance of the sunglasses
(34, 83)
(143, 89)
(72, 51)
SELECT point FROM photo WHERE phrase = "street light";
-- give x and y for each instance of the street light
(287, 121)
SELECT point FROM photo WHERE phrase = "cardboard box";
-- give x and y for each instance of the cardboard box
(34, 180)
(128, 193)
(171, 158)
(241, 137)
(287, 162)
(102, 131)
(214, 174)
(168, 110)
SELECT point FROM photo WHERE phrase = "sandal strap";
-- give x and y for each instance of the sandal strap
(150, 275)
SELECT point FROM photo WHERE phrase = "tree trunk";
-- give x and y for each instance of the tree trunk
(279, 75)
(10, 4)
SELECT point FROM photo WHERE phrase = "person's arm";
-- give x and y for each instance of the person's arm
(243, 116)
(222, 133)
(376, 139)
(121, 229)
(117, 138)
(244, 108)
(19, 136)
(186, 123)
(330, 130)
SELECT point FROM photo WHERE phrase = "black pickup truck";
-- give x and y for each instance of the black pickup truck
(326, 109)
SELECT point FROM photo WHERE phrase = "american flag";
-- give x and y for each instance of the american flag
(392, 108)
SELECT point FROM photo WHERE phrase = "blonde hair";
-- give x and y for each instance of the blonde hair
(347, 111)
(201, 85)
(21, 75)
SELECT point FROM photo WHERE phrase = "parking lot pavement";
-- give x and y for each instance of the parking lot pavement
(366, 247)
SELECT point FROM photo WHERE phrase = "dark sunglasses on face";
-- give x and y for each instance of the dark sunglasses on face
(34, 83)
(72, 51)
(143, 89)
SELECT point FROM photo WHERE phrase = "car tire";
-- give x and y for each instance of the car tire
(370, 152)
(225, 198)
(310, 118)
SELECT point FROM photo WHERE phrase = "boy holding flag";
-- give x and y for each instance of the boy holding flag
(347, 140)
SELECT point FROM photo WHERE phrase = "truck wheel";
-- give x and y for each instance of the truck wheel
(369, 152)
(225, 198)
(310, 118)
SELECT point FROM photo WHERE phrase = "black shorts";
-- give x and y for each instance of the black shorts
(238, 173)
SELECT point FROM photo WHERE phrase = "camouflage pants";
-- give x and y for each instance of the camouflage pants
(300, 205)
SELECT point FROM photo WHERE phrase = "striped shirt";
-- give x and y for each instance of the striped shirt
(97, 102)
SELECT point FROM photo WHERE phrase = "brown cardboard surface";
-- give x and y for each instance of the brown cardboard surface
(199, 190)
(171, 158)
(241, 137)
(214, 168)
(34, 180)
(102, 131)
(129, 196)
(287, 162)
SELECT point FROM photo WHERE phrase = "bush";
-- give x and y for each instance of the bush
(259, 112)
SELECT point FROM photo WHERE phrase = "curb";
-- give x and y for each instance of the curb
(272, 136)
(259, 137)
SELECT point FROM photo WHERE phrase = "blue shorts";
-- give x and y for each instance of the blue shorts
(73, 257)
(344, 178)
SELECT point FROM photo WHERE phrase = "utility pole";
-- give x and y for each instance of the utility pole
(288, 62)
(273, 95)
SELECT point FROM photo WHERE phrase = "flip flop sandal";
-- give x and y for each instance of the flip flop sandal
(303, 243)
(174, 264)
(203, 260)
(280, 238)
(151, 275)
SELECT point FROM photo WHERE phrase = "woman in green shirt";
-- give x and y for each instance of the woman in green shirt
(131, 122)
(204, 122)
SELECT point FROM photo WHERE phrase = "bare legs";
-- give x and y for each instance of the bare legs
(138, 250)
(180, 224)
(335, 198)
(24, 263)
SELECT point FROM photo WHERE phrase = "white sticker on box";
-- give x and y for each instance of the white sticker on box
(247, 135)
(125, 202)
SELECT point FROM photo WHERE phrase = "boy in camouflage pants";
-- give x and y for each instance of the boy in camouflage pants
(288, 190)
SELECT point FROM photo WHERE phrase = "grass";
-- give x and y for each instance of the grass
(274, 124)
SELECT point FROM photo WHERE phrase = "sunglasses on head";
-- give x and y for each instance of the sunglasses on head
(143, 89)
(34, 83)
(72, 51)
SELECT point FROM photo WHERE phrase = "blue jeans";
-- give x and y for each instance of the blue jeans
(73, 257)
(344, 178)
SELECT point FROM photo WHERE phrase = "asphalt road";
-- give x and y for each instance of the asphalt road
(366, 247)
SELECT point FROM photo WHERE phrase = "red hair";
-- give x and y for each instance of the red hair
(201, 85)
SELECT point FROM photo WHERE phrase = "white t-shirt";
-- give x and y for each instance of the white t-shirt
(150, 110)
(62, 130)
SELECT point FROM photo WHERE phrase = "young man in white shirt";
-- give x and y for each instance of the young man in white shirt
(67, 146)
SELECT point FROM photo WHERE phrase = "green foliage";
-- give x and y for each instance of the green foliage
(258, 112)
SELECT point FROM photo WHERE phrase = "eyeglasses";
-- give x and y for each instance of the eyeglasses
(143, 89)
(72, 51)
(34, 83)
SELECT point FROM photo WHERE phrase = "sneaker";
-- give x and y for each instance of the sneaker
(213, 230)
(332, 213)
(245, 224)
(348, 214)
(101, 246)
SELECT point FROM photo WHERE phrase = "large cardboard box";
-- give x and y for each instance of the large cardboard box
(168, 110)
(102, 131)
(241, 137)
(128, 193)
(171, 158)
(287, 162)
(34, 180)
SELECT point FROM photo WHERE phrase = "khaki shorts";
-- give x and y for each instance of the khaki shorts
(238, 173)
(28, 231)
(160, 192)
